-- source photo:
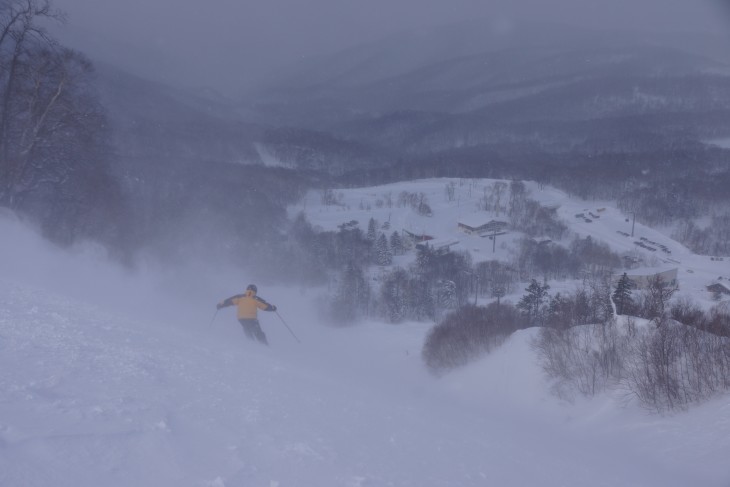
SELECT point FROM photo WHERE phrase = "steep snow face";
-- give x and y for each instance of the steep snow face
(93, 393)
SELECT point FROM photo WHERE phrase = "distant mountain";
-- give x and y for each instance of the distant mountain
(585, 110)
(547, 87)
(478, 81)
(158, 124)
(198, 178)
(491, 86)
(533, 86)
(155, 121)
(408, 51)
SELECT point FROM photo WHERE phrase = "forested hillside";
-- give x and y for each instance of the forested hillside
(95, 152)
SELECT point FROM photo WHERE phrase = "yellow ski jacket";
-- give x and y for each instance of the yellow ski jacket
(248, 305)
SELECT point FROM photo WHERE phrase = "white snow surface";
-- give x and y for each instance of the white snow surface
(112, 378)
(723, 143)
(611, 226)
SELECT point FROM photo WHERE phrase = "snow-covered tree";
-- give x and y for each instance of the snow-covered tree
(371, 234)
(424, 260)
(383, 255)
(353, 295)
(421, 303)
(658, 294)
(393, 295)
(396, 243)
(446, 293)
(517, 198)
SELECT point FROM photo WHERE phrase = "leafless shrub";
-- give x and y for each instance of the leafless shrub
(718, 322)
(584, 359)
(630, 324)
(666, 365)
(673, 365)
(689, 313)
(655, 298)
(467, 333)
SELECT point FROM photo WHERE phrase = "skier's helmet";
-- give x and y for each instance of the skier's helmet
(252, 287)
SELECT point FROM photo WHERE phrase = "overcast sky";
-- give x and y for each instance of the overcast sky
(227, 43)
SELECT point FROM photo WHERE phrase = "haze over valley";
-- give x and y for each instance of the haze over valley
(492, 240)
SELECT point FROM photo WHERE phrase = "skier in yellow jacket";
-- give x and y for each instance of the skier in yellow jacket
(248, 305)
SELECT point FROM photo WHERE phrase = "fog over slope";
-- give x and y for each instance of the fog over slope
(117, 379)
(232, 46)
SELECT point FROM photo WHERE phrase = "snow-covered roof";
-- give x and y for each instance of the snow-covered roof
(542, 239)
(440, 242)
(720, 284)
(476, 220)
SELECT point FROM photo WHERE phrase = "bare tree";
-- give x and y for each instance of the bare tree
(21, 38)
(498, 189)
(53, 132)
(450, 191)
(658, 294)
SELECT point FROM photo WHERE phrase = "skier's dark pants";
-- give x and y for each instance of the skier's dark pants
(253, 330)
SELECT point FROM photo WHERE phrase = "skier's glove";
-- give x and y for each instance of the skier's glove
(273, 308)
(219, 306)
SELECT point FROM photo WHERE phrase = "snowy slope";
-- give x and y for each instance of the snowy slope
(694, 271)
(362, 203)
(120, 392)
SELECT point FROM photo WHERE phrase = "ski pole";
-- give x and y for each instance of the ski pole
(287, 327)
(211, 321)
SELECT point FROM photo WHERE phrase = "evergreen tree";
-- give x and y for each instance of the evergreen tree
(532, 302)
(353, 295)
(394, 295)
(498, 291)
(425, 260)
(447, 293)
(350, 244)
(517, 199)
(622, 295)
(371, 233)
(396, 243)
(420, 302)
(559, 312)
(383, 254)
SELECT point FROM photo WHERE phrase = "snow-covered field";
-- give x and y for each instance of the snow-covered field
(722, 143)
(607, 224)
(115, 379)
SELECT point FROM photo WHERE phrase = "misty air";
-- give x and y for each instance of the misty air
(364, 244)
